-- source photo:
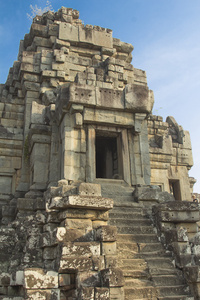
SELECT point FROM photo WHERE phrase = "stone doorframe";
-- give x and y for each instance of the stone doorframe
(91, 151)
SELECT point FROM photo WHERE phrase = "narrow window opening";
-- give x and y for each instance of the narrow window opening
(174, 186)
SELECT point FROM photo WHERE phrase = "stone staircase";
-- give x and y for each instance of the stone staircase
(148, 269)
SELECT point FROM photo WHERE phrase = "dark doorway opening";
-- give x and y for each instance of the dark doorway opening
(174, 186)
(108, 158)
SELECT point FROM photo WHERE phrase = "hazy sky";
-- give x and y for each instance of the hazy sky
(165, 36)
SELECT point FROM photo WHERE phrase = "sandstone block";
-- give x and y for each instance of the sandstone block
(84, 214)
(5, 279)
(81, 249)
(101, 293)
(96, 224)
(38, 30)
(78, 120)
(109, 248)
(79, 235)
(86, 293)
(176, 216)
(178, 212)
(79, 224)
(45, 294)
(88, 279)
(182, 234)
(91, 202)
(75, 263)
(81, 94)
(50, 252)
(185, 157)
(48, 73)
(53, 29)
(42, 42)
(107, 233)
(112, 277)
(98, 262)
(39, 279)
(110, 98)
(116, 293)
(26, 204)
(181, 248)
(138, 98)
(60, 44)
(100, 37)
(192, 273)
(68, 32)
(110, 261)
(37, 113)
(106, 117)
(89, 189)
(196, 239)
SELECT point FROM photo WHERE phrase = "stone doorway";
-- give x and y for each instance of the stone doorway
(108, 157)
(115, 145)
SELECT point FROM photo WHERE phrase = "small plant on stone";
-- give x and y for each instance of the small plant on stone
(35, 10)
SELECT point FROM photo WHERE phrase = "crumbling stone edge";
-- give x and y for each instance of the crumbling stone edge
(177, 224)
(69, 251)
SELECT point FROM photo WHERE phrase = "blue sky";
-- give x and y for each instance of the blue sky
(165, 36)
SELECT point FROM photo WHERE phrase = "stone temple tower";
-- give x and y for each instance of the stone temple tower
(77, 140)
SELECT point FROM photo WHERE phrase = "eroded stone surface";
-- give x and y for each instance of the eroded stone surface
(76, 114)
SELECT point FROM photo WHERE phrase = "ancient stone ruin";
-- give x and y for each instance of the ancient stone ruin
(95, 197)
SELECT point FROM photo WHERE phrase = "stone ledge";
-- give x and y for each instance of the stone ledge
(91, 202)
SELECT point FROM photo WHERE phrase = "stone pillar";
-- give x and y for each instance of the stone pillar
(73, 150)
(91, 165)
(139, 151)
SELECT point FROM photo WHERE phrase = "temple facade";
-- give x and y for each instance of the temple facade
(76, 121)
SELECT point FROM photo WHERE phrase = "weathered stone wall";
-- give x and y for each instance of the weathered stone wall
(71, 86)
(170, 156)
(70, 77)
(60, 246)
(178, 229)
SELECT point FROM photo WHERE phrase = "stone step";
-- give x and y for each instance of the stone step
(11, 298)
(127, 215)
(127, 254)
(135, 230)
(131, 248)
(167, 280)
(128, 204)
(128, 209)
(150, 247)
(163, 271)
(132, 264)
(132, 293)
(160, 262)
(135, 282)
(140, 247)
(173, 290)
(179, 297)
(148, 268)
(129, 222)
(123, 199)
(115, 188)
(141, 274)
(138, 238)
